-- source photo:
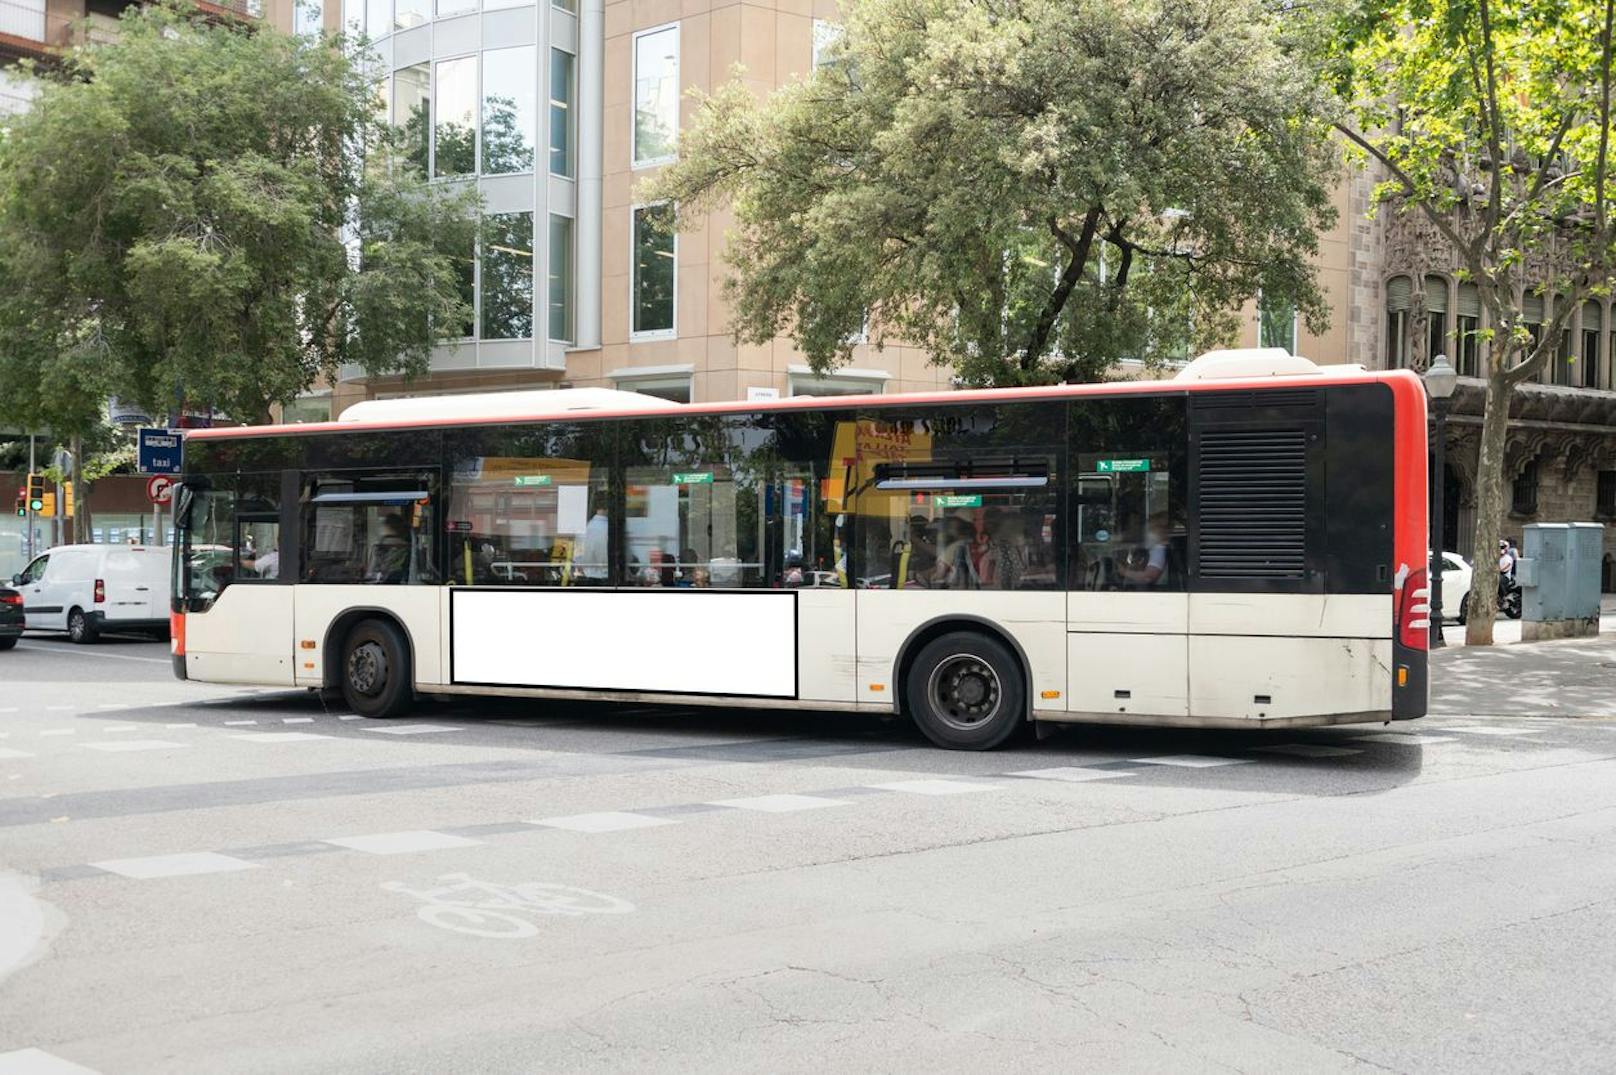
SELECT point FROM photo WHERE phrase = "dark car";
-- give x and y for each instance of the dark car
(10, 617)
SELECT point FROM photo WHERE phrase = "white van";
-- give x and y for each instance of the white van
(86, 590)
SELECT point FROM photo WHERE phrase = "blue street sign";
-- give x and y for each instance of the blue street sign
(161, 451)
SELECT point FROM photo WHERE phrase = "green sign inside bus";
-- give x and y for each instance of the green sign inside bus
(972, 501)
(1123, 466)
(703, 477)
(532, 479)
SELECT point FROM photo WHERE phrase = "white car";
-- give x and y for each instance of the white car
(87, 590)
(1456, 575)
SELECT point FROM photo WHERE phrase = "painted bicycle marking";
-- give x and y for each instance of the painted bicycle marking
(490, 909)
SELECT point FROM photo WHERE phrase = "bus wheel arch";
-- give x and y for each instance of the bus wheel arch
(388, 653)
(916, 648)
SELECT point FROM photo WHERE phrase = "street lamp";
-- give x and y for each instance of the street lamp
(1440, 381)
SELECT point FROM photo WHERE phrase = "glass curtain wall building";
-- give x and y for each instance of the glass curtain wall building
(505, 94)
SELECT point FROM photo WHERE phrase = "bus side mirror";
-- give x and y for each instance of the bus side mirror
(182, 508)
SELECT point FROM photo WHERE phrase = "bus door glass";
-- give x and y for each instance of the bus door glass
(375, 529)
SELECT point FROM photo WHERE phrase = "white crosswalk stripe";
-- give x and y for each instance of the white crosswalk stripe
(39, 1062)
(415, 729)
(180, 865)
(780, 804)
(936, 787)
(119, 746)
(1193, 761)
(1074, 774)
(279, 737)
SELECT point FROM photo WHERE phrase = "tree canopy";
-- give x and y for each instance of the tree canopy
(213, 213)
(1491, 119)
(1029, 189)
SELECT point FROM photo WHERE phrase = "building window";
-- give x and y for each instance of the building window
(1523, 494)
(1592, 323)
(675, 387)
(561, 113)
(1276, 324)
(454, 109)
(1468, 326)
(565, 5)
(508, 110)
(1565, 360)
(835, 384)
(560, 286)
(656, 94)
(1532, 319)
(378, 18)
(507, 277)
(1397, 301)
(1436, 317)
(311, 408)
(455, 7)
(827, 35)
(412, 114)
(655, 262)
(308, 18)
(408, 13)
(1605, 499)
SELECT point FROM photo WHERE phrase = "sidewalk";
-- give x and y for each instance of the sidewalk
(1570, 678)
(1508, 632)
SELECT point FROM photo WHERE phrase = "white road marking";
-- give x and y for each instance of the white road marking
(123, 745)
(1192, 761)
(606, 821)
(9, 709)
(279, 737)
(39, 1062)
(935, 787)
(780, 804)
(85, 651)
(415, 729)
(1075, 774)
(400, 843)
(297, 720)
(60, 731)
(1480, 730)
(1309, 750)
(7, 752)
(239, 723)
(349, 716)
(1405, 738)
(181, 865)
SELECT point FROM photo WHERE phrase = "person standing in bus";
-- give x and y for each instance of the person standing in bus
(591, 565)
(955, 571)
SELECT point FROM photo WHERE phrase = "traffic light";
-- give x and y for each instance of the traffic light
(47, 506)
(67, 500)
(36, 492)
(22, 501)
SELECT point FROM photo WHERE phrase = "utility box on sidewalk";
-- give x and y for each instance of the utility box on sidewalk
(1559, 577)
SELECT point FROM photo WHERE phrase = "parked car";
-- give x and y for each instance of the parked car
(1457, 573)
(87, 590)
(11, 617)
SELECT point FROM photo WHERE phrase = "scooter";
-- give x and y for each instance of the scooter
(1509, 596)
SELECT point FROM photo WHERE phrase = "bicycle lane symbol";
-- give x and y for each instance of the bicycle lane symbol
(490, 909)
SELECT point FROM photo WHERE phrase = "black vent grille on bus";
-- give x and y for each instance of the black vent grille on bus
(1252, 506)
(1247, 400)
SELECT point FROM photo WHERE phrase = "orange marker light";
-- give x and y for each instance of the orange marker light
(1049, 694)
(878, 686)
(307, 643)
(1402, 675)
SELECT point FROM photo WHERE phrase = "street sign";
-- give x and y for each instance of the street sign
(159, 488)
(532, 479)
(700, 477)
(1123, 466)
(161, 451)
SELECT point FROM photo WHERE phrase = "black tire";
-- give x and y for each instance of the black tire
(375, 673)
(965, 691)
(7, 643)
(1512, 605)
(1464, 610)
(81, 628)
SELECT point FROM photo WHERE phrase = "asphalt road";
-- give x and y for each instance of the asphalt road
(204, 879)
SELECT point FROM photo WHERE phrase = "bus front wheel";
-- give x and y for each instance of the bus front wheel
(376, 680)
(966, 692)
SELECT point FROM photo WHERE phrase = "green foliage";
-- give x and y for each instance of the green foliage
(1491, 117)
(172, 217)
(1029, 189)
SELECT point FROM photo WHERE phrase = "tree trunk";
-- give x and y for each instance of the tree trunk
(1483, 604)
(82, 533)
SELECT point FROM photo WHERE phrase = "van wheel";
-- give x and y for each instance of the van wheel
(966, 692)
(80, 628)
(1464, 610)
(7, 643)
(376, 677)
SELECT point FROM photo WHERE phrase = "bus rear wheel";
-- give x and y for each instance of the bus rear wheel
(966, 692)
(376, 677)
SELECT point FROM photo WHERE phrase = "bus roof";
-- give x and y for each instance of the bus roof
(1218, 370)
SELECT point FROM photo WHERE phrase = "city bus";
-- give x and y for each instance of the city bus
(1242, 546)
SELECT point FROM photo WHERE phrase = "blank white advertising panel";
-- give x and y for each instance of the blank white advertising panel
(672, 641)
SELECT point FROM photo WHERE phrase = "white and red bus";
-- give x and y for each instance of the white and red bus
(1243, 546)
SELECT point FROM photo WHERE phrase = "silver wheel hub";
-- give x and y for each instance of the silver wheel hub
(964, 691)
(367, 668)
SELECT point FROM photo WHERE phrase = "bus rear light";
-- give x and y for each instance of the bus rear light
(176, 633)
(100, 591)
(1414, 611)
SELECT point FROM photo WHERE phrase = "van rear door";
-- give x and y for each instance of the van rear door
(128, 585)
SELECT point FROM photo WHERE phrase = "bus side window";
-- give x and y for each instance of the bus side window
(375, 530)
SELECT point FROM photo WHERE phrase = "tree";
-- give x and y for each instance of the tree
(1492, 118)
(1029, 189)
(215, 214)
